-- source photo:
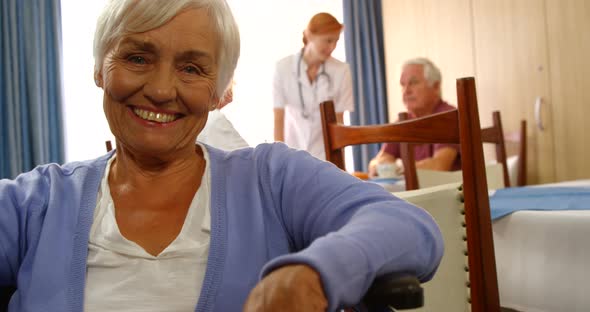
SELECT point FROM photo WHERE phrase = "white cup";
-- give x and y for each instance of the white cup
(388, 170)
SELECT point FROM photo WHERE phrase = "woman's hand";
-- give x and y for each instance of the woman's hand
(289, 288)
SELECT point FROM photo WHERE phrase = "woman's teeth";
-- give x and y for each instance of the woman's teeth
(151, 116)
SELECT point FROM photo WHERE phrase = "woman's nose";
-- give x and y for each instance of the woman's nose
(160, 87)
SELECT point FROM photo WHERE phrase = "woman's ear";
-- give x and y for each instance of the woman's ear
(306, 33)
(214, 103)
(227, 98)
(305, 37)
(98, 79)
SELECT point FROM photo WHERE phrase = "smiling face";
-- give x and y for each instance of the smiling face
(159, 86)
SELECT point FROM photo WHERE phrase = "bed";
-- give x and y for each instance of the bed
(543, 257)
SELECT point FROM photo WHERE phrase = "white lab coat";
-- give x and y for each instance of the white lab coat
(305, 132)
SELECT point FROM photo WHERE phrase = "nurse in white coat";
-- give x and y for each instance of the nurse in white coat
(303, 80)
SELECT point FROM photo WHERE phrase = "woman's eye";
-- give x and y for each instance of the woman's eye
(191, 70)
(137, 60)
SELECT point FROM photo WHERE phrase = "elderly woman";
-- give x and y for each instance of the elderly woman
(162, 224)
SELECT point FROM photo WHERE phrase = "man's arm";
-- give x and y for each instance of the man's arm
(442, 160)
(279, 124)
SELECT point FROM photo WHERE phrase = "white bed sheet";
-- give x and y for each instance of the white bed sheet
(543, 258)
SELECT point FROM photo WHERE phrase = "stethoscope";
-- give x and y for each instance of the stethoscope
(317, 80)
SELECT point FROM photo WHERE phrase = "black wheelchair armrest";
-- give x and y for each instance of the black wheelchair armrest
(390, 290)
(5, 294)
(396, 291)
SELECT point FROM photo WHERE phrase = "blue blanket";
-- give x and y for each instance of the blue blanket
(509, 200)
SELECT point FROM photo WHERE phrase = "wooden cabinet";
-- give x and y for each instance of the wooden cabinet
(409, 32)
(521, 52)
(568, 29)
(510, 48)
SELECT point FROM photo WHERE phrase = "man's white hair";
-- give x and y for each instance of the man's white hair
(431, 72)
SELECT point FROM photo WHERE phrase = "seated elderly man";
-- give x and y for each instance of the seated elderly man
(421, 84)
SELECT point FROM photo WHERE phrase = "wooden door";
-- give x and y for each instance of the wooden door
(512, 72)
(568, 25)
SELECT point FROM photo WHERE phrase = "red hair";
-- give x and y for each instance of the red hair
(323, 23)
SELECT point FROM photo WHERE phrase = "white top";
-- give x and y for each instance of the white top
(122, 276)
(220, 133)
(303, 125)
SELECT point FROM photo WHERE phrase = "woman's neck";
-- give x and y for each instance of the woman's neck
(138, 171)
(313, 65)
(309, 59)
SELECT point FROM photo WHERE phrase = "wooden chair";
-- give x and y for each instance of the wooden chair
(522, 156)
(520, 138)
(449, 288)
(460, 126)
(493, 134)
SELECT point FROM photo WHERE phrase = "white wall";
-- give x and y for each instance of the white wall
(85, 125)
(270, 30)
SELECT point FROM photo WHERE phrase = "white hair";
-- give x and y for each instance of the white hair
(123, 17)
(431, 72)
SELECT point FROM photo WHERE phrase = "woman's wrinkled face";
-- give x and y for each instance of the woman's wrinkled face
(159, 86)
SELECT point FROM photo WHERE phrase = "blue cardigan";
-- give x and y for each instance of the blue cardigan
(270, 206)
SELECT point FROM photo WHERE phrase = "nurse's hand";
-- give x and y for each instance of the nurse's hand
(289, 288)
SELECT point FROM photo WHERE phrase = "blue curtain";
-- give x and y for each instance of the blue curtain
(31, 131)
(363, 31)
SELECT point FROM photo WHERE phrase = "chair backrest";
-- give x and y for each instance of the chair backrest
(522, 157)
(430, 178)
(449, 289)
(520, 139)
(460, 126)
(495, 172)
(493, 134)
